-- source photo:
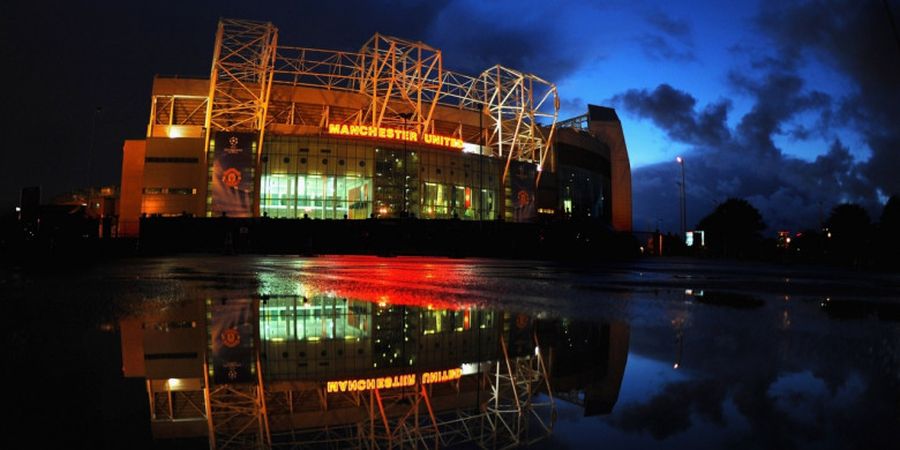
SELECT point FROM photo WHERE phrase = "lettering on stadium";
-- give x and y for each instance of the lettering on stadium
(394, 134)
(441, 376)
(391, 382)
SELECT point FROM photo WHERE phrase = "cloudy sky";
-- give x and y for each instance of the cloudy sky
(793, 105)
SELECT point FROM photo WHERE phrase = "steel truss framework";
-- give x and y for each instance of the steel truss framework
(177, 110)
(169, 111)
(236, 414)
(515, 416)
(508, 404)
(167, 405)
(402, 79)
(241, 75)
(509, 415)
(403, 82)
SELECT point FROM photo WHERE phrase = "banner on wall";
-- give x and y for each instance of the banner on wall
(521, 335)
(233, 330)
(234, 168)
(521, 181)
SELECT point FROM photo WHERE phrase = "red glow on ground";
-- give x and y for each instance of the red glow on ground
(434, 283)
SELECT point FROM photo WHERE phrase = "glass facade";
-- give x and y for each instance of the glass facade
(316, 178)
(326, 336)
(584, 193)
(328, 178)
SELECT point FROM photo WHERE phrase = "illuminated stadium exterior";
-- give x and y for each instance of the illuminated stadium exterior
(384, 132)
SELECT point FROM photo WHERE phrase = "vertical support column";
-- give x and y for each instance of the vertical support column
(372, 418)
(210, 427)
(384, 418)
(213, 80)
(151, 399)
(264, 430)
(240, 84)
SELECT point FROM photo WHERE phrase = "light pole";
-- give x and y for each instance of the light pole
(680, 162)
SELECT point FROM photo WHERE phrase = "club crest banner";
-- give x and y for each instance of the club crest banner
(234, 167)
(521, 181)
(521, 335)
(233, 330)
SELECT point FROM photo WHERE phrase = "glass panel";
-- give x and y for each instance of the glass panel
(297, 181)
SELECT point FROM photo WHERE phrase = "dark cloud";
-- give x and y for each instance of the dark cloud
(744, 161)
(520, 49)
(856, 38)
(677, 28)
(670, 39)
(669, 412)
(673, 111)
(474, 39)
(658, 48)
(571, 106)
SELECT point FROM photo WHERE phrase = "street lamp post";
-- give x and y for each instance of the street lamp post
(680, 162)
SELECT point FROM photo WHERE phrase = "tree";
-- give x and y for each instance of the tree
(733, 229)
(849, 228)
(890, 215)
(889, 233)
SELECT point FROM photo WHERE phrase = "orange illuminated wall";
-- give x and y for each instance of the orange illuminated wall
(132, 347)
(175, 177)
(133, 153)
(605, 124)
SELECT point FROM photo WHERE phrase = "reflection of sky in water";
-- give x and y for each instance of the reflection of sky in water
(747, 381)
(645, 377)
(806, 399)
(800, 396)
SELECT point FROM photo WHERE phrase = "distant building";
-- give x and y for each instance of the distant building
(83, 213)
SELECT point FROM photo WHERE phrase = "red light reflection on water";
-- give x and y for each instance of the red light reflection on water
(433, 283)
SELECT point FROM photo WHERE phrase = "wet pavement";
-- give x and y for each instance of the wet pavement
(718, 355)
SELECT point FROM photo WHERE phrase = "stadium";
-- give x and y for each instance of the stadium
(383, 132)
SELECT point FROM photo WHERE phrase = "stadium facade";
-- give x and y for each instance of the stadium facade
(294, 132)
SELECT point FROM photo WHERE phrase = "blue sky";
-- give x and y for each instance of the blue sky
(716, 39)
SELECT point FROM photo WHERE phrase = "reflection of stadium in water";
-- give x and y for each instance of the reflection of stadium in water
(324, 337)
(326, 370)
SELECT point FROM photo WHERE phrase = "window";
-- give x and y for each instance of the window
(322, 328)
(170, 191)
(317, 196)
